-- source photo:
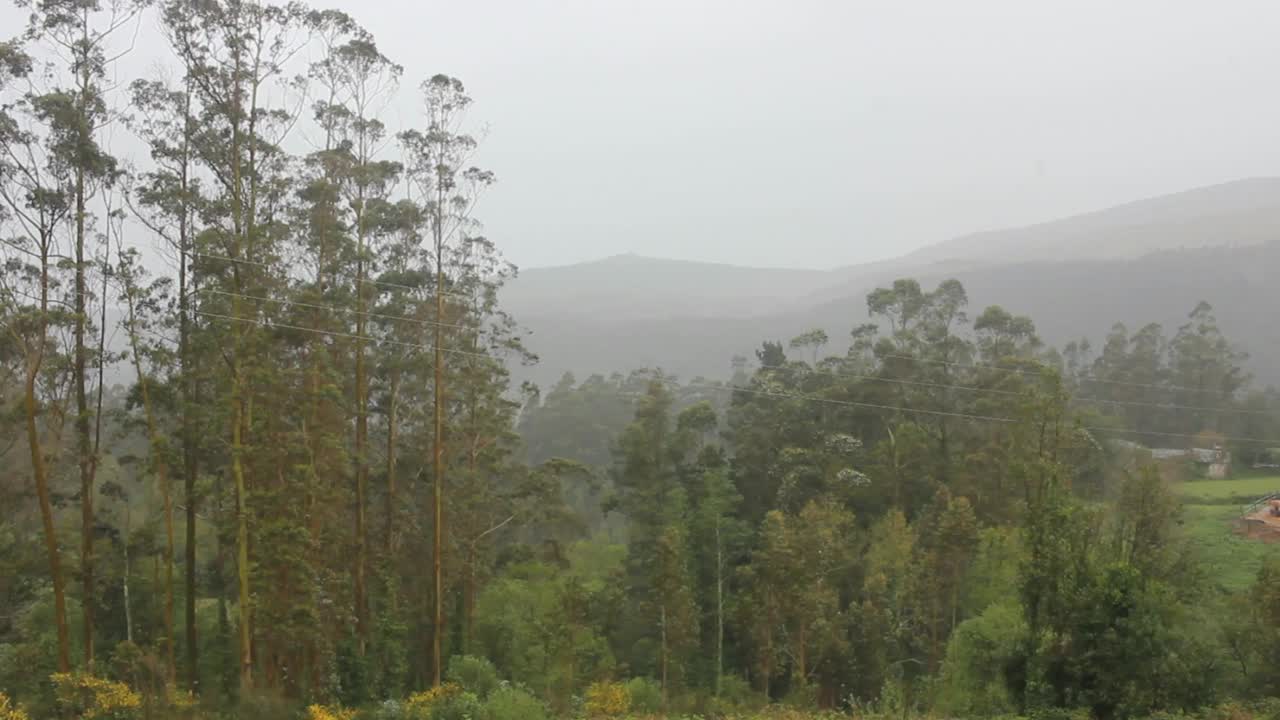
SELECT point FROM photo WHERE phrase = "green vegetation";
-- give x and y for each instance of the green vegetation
(1231, 562)
(1237, 491)
(322, 496)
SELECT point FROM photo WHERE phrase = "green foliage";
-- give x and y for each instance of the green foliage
(645, 695)
(458, 706)
(980, 649)
(513, 703)
(475, 674)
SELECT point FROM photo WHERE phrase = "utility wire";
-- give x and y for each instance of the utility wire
(1090, 378)
(360, 280)
(735, 388)
(832, 373)
(332, 333)
(998, 391)
(333, 308)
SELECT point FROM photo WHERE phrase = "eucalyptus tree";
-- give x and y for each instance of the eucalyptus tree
(357, 80)
(80, 34)
(35, 190)
(437, 165)
(232, 53)
(165, 199)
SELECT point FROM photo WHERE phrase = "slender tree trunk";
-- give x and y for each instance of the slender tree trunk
(362, 441)
(437, 463)
(84, 450)
(663, 656)
(392, 421)
(719, 608)
(189, 457)
(128, 606)
(35, 358)
(160, 466)
(46, 516)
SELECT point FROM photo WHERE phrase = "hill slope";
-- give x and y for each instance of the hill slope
(1150, 260)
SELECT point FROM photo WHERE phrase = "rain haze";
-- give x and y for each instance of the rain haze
(807, 360)
(821, 134)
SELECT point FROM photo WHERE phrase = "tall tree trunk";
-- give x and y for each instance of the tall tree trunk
(392, 420)
(719, 608)
(663, 655)
(83, 446)
(46, 516)
(437, 465)
(160, 467)
(189, 457)
(362, 450)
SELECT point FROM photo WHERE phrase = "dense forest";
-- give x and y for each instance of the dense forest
(320, 494)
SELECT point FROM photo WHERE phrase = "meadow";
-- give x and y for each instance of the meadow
(1209, 507)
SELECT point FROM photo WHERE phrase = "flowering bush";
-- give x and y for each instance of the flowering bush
(84, 696)
(329, 712)
(420, 704)
(10, 711)
(607, 699)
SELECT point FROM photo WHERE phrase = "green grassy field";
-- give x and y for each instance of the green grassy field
(1247, 489)
(1210, 506)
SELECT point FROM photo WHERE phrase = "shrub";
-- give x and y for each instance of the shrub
(84, 696)
(645, 696)
(10, 711)
(458, 706)
(329, 712)
(422, 705)
(512, 703)
(473, 673)
(736, 696)
(607, 699)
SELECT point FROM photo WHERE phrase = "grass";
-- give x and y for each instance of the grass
(1209, 508)
(1237, 491)
(1232, 561)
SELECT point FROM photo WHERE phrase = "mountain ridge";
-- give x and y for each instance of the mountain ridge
(1214, 243)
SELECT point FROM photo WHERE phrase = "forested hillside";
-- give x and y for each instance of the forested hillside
(1150, 261)
(323, 491)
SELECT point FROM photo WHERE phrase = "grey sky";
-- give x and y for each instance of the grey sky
(816, 134)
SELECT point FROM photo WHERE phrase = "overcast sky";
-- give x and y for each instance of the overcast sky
(817, 134)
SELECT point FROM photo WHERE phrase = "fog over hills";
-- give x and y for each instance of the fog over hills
(1149, 260)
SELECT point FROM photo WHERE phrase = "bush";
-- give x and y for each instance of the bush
(645, 696)
(84, 696)
(459, 706)
(473, 673)
(10, 711)
(607, 699)
(329, 712)
(422, 705)
(512, 703)
(736, 695)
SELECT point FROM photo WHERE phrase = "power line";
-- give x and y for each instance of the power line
(1090, 378)
(998, 391)
(735, 388)
(333, 308)
(833, 401)
(359, 280)
(333, 333)
(832, 373)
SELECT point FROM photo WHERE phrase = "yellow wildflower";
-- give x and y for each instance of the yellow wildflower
(607, 699)
(421, 702)
(329, 712)
(10, 711)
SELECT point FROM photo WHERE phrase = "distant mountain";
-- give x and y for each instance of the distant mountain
(1150, 260)
(1240, 213)
(651, 287)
